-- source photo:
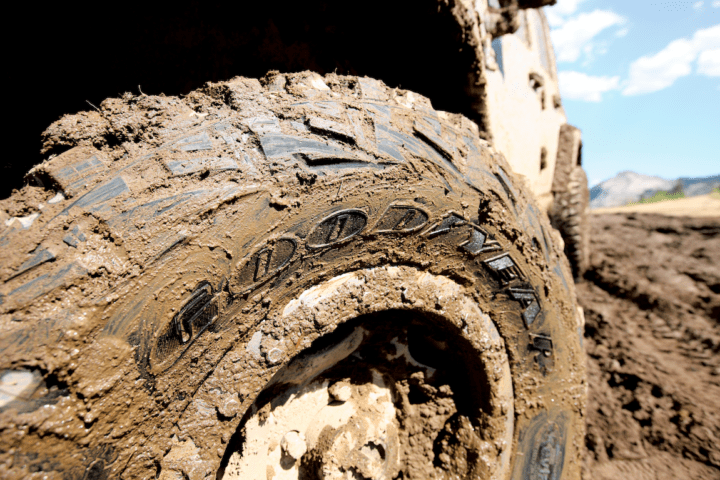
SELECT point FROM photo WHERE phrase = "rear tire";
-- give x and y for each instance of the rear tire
(571, 216)
(194, 261)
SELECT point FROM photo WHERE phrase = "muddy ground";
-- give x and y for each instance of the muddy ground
(652, 307)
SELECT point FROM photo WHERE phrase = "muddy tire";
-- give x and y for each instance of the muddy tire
(307, 276)
(570, 210)
(571, 216)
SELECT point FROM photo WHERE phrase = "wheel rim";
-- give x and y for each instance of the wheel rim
(365, 407)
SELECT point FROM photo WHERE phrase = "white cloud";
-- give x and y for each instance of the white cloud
(553, 18)
(650, 74)
(580, 86)
(698, 5)
(707, 38)
(563, 8)
(659, 71)
(567, 7)
(716, 4)
(578, 32)
(709, 63)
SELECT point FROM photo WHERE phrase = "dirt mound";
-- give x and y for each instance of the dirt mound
(652, 307)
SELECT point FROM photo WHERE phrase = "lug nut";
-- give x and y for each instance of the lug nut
(274, 356)
(293, 444)
(340, 392)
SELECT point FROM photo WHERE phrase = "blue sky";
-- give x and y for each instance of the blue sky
(642, 80)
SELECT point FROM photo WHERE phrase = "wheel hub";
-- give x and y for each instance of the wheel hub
(397, 394)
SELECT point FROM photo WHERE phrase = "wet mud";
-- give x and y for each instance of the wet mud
(175, 49)
(172, 256)
(652, 334)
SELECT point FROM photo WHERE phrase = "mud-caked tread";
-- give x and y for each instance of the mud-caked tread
(571, 216)
(163, 234)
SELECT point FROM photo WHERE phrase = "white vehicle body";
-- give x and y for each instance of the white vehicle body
(523, 100)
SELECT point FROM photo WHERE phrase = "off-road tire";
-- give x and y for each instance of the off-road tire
(173, 256)
(571, 216)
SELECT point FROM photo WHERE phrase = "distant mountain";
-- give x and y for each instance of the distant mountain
(624, 188)
(700, 186)
(627, 187)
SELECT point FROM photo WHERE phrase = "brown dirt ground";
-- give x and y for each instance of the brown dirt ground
(652, 308)
(700, 206)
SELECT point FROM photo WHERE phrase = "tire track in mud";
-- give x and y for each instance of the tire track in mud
(652, 304)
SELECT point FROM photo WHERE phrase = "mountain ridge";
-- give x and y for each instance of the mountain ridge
(629, 187)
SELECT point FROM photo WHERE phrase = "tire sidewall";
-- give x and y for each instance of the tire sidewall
(217, 364)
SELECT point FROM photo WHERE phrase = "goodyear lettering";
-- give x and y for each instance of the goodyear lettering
(504, 268)
(336, 228)
(529, 301)
(340, 227)
(402, 219)
(267, 261)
